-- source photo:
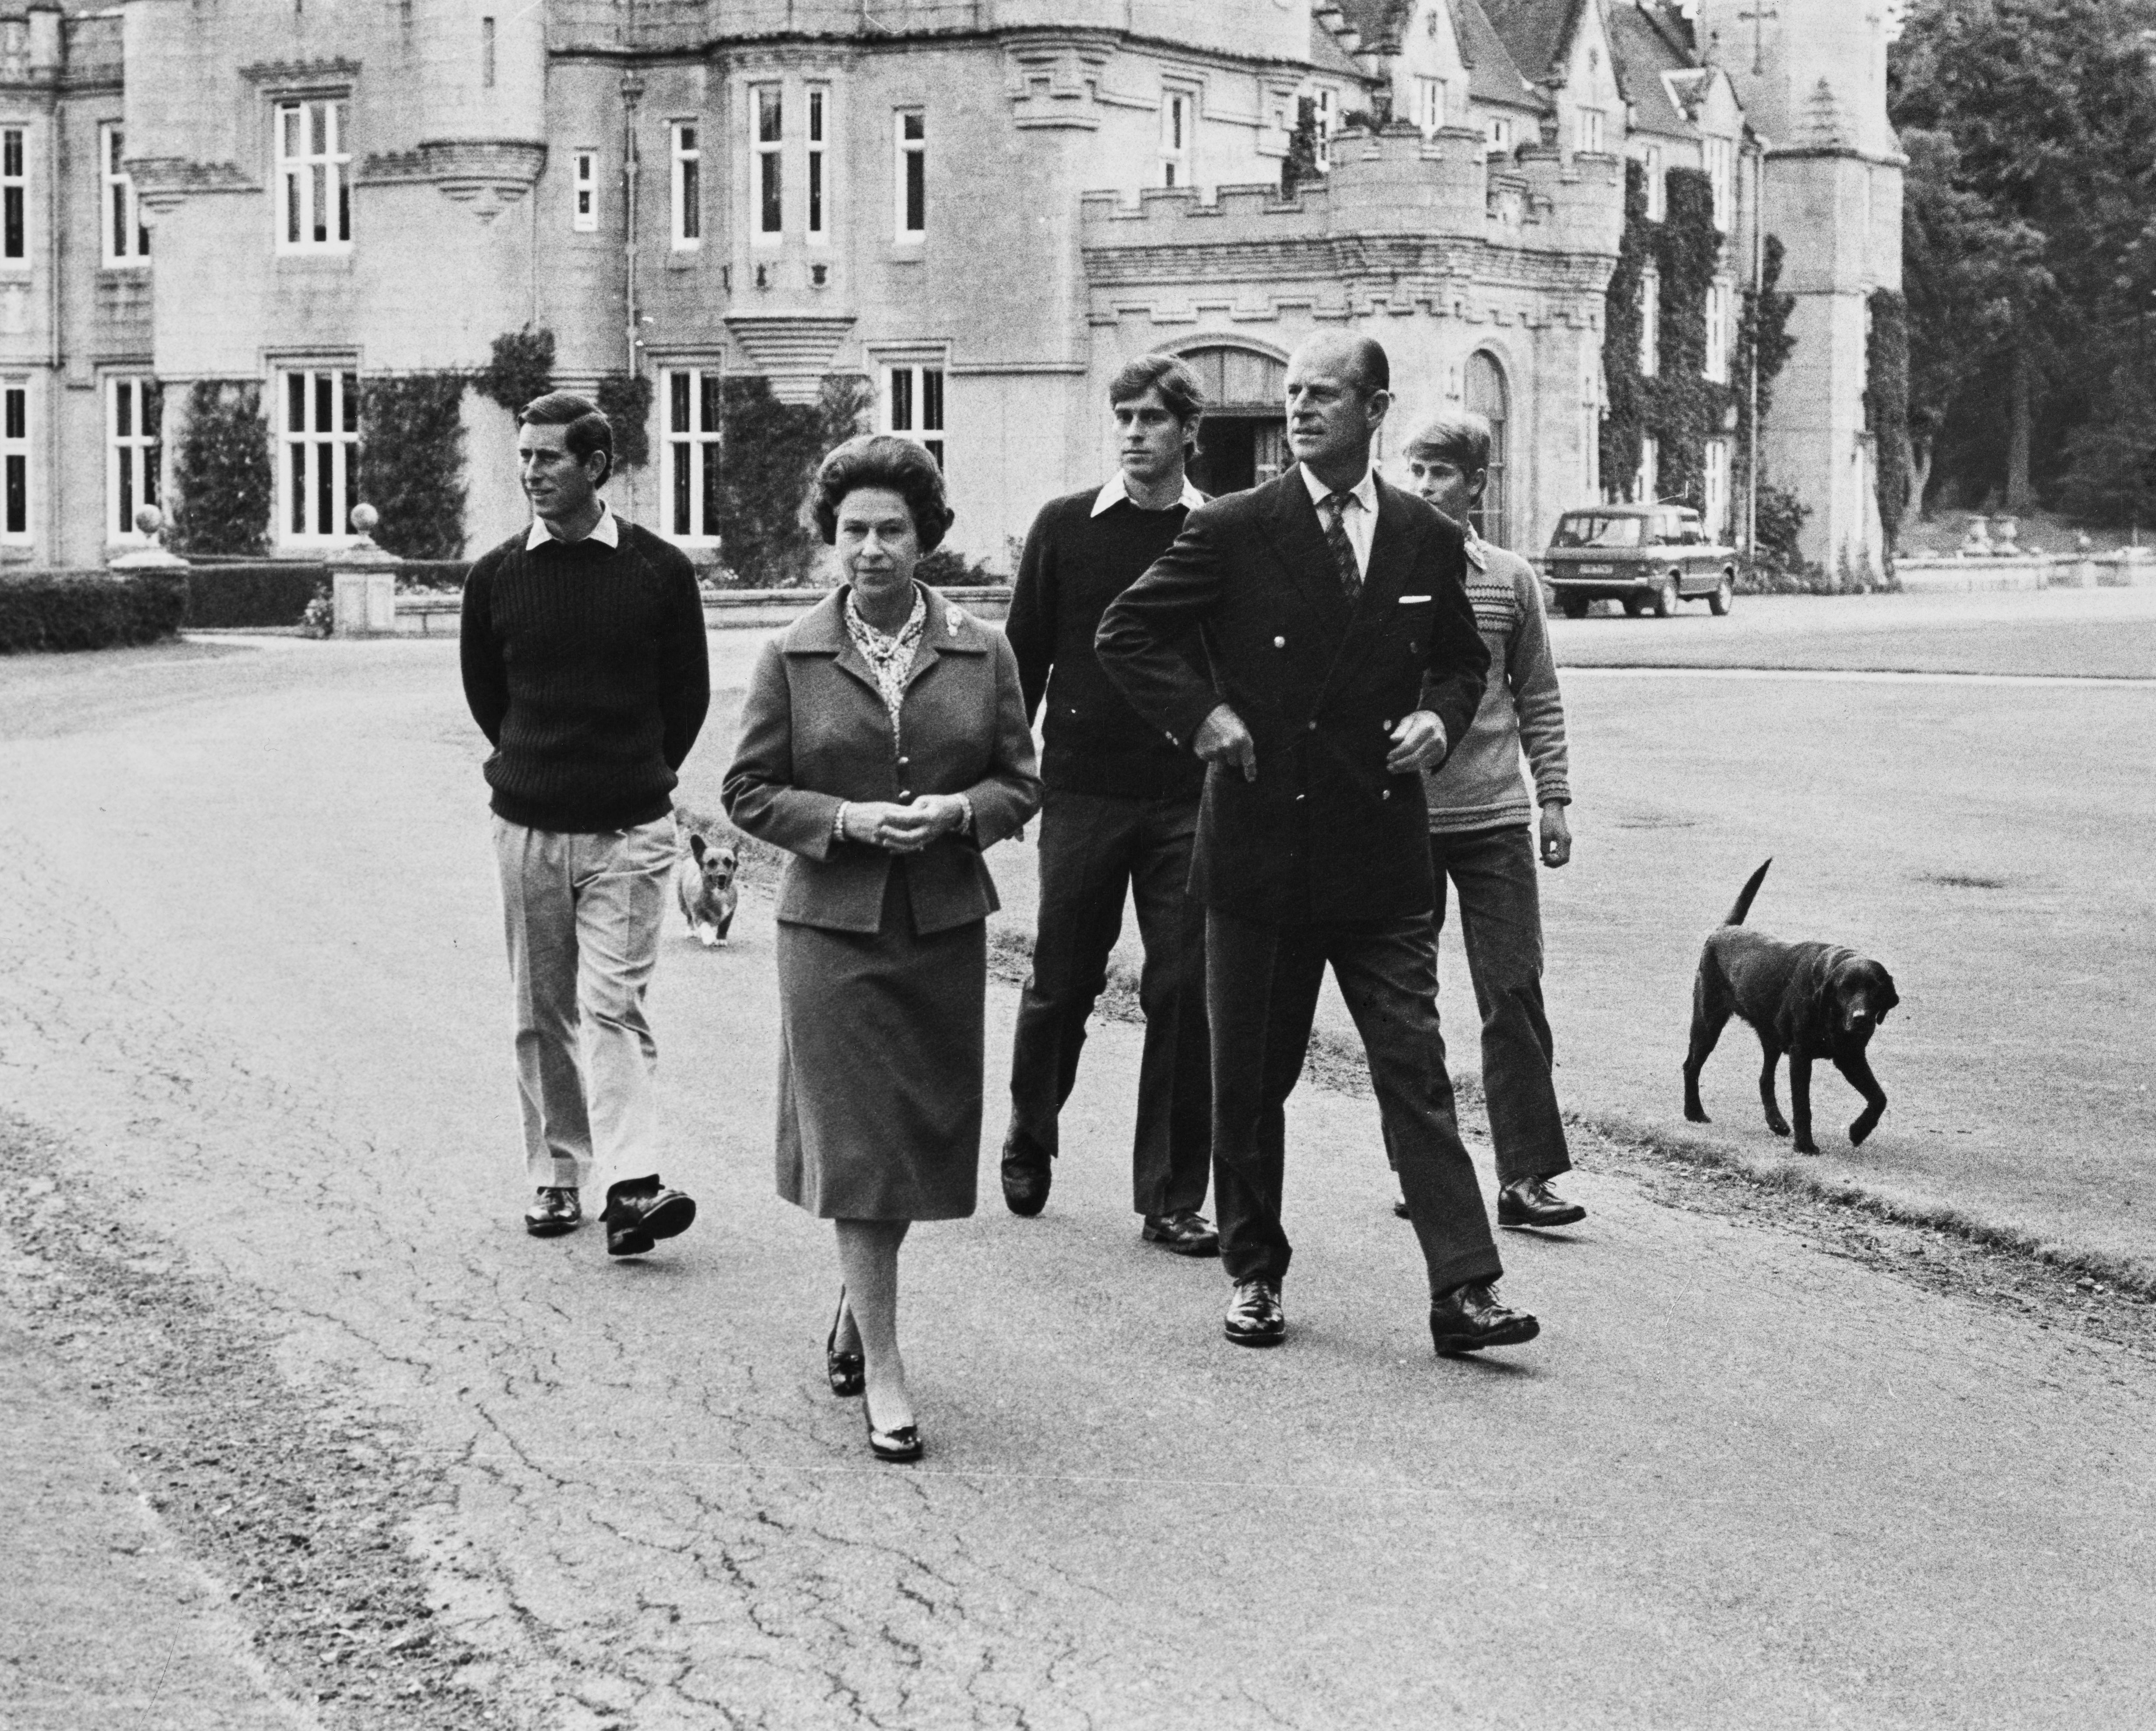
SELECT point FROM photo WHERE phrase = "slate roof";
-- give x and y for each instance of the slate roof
(1538, 33)
(1493, 75)
(1643, 46)
(1381, 23)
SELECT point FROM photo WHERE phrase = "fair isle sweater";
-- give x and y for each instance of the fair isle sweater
(1479, 785)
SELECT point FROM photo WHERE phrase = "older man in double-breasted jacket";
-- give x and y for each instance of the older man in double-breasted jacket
(1345, 659)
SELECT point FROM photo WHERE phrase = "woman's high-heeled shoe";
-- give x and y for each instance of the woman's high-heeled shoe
(900, 1446)
(847, 1370)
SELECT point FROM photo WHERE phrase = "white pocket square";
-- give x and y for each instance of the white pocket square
(1409, 601)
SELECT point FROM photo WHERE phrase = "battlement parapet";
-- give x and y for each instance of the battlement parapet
(1394, 182)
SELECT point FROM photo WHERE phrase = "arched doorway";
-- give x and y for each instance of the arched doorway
(1486, 396)
(1244, 438)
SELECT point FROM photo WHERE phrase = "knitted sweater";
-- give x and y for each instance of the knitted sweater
(1074, 565)
(586, 666)
(1479, 785)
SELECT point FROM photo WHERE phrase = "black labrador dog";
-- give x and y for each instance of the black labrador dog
(1812, 1000)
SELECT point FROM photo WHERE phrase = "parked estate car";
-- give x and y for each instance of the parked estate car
(1645, 555)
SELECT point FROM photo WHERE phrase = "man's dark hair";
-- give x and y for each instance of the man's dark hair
(1371, 366)
(898, 465)
(1172, 378)
(589, 430)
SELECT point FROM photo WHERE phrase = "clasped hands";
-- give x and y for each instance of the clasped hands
(906, 828)
(1418, 739)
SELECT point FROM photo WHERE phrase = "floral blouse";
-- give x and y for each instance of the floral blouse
(890, 655)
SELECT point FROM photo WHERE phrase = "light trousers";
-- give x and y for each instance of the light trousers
(582, 915)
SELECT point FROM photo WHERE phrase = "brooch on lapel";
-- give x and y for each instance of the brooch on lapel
(953, 620)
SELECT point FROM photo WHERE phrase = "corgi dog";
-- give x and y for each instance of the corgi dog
(704, 884)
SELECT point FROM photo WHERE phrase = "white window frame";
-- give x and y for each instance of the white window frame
(1647, 478)
(14, 198)
(1714, 486)
(689, 453)
(1497, 133)
(909, 161)
(306, 452)
(1721, 155)
(312, 174)
(1327, 112)
(1650, 323)
(1715, 364)
(1178, 125)
(684, 175)
(134, 455)
(766, 164)
(486, 52)
(914, 403)
(1658, 192)
(1431, 95)
(816, 183)
(1587, 131)
(584, 191)
(117, 209)
(18, 470)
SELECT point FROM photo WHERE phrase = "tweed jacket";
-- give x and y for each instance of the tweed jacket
(814, 733)
(1325, 833)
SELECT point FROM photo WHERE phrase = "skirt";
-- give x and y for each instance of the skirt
(880, 1047)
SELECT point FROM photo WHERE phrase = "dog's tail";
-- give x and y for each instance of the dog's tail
(1751, 888)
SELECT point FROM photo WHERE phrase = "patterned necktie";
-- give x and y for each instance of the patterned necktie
(1342, 549)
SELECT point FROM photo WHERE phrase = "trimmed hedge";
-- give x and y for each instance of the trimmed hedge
(258, 593)
(88, 609)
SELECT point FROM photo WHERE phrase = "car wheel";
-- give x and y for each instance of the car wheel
(1574, 606)
(1666, 598)
(1724, 597)
(1635, 604)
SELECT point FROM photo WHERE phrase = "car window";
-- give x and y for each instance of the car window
(1593, 528)
(1690, 534)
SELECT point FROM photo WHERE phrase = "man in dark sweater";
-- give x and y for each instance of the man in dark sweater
(1121, 812)
(586, 666)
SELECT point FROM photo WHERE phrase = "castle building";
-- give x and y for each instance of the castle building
(982, 207)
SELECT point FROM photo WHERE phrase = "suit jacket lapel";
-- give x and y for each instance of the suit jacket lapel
(1298, 542)
(1393, 546)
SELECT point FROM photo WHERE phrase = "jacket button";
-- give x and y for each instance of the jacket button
(1280, 642)
(908, 793)
(1385, 793)
(903, 761)
(1387, 725)
(1312, 727)
(1300, 797)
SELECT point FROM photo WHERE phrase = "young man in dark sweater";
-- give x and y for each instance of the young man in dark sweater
(1121, 815)
(586, 666)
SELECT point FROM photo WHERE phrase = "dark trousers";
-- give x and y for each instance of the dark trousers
(1261, 987)
(1093, 849)
(1500, 922)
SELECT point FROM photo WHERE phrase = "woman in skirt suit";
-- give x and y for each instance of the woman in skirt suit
(884, 744)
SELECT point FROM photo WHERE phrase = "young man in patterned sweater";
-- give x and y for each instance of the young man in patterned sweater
(1479, 831)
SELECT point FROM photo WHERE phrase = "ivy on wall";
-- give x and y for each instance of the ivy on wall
(222, 471)
(772, 449)
(1886, 407)
(1679, 407)
(626, 402)
(411, 463)
(522, 367)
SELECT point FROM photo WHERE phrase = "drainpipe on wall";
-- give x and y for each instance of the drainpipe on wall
(55, 359)
(632, 91)
(1758, 305)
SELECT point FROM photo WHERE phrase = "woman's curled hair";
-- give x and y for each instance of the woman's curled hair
(899, 466)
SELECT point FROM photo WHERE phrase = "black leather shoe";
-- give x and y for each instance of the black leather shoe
(1470, 1318)
(557, 1211)
(897, 1446)
(1531, 1202)
(1026, 1180)
(1254, 1317)
(637, 1218)
(847, 1371)
(1186, 1232)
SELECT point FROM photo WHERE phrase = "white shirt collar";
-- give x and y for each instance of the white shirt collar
(1474, 547)
(1109, 496)
(1364, 492)
(607, 531)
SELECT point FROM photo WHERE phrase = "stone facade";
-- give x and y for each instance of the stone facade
(985, 207)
